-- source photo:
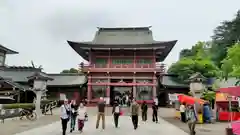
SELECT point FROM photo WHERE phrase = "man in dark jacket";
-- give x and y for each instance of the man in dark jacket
(101, 113)
(134, 113)
(144, 108)
(155, 112)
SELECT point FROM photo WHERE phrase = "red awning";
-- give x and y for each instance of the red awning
(189, 100)
(234, 91)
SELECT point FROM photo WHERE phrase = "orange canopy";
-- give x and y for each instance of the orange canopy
(223, 97)
(189, 100)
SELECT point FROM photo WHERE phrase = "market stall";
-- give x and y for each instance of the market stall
(188, 100)
(222, 102)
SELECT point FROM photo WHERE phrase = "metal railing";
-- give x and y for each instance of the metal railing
(48, 107)
(13, 113)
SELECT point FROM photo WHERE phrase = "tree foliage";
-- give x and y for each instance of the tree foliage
(185, 67)
(201, 48)
(71, 70)
(197, 61)
(225, 35)
(231, 64)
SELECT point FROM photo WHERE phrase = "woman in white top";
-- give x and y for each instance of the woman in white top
(82, 112)
(65, 113)
(182, 111)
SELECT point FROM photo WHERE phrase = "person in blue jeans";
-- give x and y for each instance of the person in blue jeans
(206, 113)
(192, 118)
(73, 116)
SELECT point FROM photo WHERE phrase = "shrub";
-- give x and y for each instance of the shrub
(18, 105)
(24, 105)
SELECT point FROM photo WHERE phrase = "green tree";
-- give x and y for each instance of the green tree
(185, 67)
(71, 70)
(201, 48)
(231, 64)
(199, 61)
(225, 35)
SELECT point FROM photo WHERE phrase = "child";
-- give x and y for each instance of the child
(81, 116)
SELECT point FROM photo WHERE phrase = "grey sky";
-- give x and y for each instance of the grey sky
(38, 29)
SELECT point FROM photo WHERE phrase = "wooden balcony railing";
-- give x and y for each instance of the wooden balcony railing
(158, 67)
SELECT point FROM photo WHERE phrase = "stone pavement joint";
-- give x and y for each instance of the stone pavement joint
(125, 127)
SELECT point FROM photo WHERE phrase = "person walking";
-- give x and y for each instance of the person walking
(155, 112)
(192, 118)
(73, 115)
(134, 113)
(144, 109)
(82, 112)
(65, 115)
(101, 113)
(183, 112)
(116, 113)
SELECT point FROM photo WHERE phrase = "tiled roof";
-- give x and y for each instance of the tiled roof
(162, 47)
(14, 84)
(59, 79)
(226, 83)
(17, 76)
(21, 68)
(123, 36)
(41, 76)
(168, 80)
(66, 79)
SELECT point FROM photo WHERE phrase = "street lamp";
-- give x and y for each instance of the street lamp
(39, 87)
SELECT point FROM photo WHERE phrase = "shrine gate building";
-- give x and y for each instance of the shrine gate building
(123, 60)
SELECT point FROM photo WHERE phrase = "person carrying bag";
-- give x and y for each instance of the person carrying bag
(82, 112)
(65, 115)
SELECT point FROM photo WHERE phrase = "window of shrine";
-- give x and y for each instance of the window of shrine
(144, 61)
(122, 61)
(101, 61)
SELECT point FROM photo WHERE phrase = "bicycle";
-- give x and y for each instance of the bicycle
(29, 114)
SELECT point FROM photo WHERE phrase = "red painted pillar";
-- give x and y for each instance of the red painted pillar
(154, 59)
(90, 57)
(154, 87)
(89, 91)
(109, 58)
(134, 92)
(108, 91)
(134, 59)
(108, 88)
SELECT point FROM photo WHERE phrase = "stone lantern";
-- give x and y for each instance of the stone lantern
(196, 84)
(39, 88)
(81, 66)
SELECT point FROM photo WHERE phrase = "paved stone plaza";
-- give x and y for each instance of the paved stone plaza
(125, 128)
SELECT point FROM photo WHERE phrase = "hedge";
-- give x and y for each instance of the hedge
(18, 105)
(24, 105)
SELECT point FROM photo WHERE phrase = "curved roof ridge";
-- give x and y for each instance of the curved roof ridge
(7, 50)
(65, 74)
(94, 43)
(125, 28)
